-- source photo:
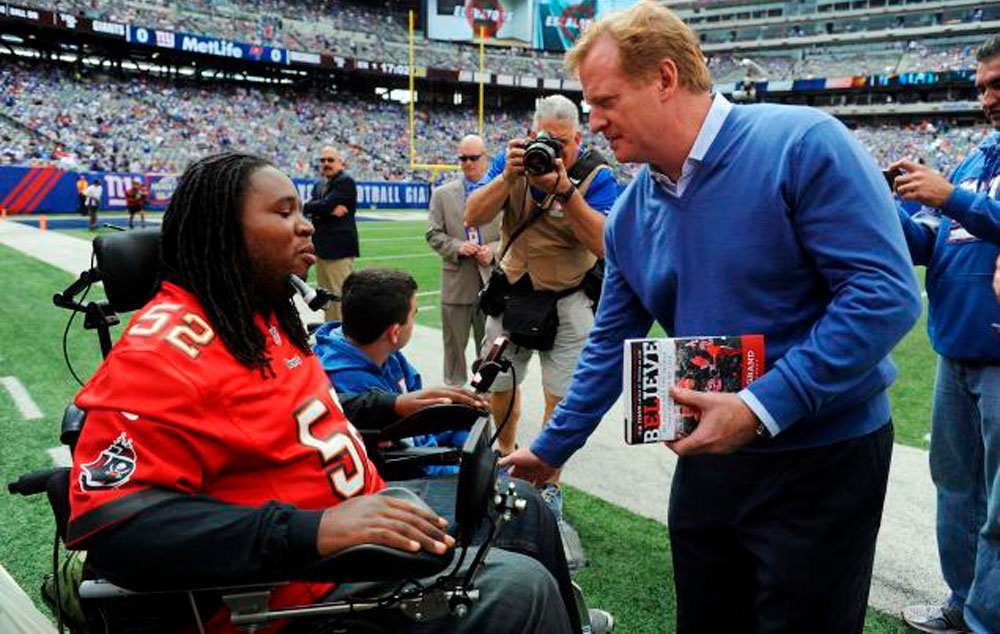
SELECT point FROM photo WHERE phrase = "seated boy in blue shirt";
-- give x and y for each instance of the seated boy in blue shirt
(363, 359)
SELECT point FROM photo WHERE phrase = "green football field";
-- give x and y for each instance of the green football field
(31, 329)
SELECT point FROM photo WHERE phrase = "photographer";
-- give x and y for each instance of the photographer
(555, 212)
(331, 208)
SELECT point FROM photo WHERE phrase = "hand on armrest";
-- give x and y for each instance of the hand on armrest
(413, 402)
(383, 520)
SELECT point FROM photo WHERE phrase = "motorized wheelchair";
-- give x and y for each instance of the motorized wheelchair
(126, 265)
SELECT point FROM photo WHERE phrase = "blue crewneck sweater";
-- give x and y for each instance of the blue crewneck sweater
(786, 229)
(960, 255)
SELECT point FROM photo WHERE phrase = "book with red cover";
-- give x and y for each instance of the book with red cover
(706, 364)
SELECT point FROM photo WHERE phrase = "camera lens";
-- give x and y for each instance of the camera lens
(539, 160)
(541, 153)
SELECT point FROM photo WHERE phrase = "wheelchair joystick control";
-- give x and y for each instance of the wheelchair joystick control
(487, 369)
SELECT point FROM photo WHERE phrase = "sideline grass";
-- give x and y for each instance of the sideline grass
(31, 334)
(641, 597)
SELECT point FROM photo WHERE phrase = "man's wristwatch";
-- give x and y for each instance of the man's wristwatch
(564, 197)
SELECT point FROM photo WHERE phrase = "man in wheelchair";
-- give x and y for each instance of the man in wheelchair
(216, 453)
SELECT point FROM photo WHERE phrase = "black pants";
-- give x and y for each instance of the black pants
(780, 542)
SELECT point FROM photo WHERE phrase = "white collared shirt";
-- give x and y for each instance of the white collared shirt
(717, 114)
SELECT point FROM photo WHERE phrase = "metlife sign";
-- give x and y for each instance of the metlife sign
(227, 48)
(202, 45)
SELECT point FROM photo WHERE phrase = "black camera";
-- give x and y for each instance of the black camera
(540, 154)
(890, 177)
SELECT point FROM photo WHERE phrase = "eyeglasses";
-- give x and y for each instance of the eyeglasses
(328, 160)
(469, 157)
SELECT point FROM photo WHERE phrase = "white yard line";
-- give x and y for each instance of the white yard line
(404, 256)
(60, 456)
(426, 293)
(23, 401)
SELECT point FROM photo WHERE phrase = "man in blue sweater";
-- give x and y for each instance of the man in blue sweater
(958, 246)
(746, 219)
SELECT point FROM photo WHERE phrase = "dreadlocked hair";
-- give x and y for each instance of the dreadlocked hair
(202, 250)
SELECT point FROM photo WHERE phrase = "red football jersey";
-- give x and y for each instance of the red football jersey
(170, 408)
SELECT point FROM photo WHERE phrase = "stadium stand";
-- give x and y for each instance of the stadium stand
(145, 124)
(377, 31)
(843, 61)
(151, 125)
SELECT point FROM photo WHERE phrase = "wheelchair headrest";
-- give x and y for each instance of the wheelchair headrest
(129, 264)
(476, 480)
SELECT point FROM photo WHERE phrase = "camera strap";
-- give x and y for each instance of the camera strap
(535, 215)
(586, 164)
(580, 175)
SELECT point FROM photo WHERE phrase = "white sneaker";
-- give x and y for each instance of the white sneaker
(937, 619)
(601, 621)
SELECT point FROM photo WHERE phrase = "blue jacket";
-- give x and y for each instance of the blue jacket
(959, 249)
(351, 372)
(786, 229)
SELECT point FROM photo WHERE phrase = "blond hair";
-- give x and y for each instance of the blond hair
(646, 34)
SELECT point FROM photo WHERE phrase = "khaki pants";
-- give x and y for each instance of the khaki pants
(330, 274)
(456, 319)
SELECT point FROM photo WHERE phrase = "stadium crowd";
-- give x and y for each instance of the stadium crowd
(846, 61)
(377, 31)
(92, 121)
(150, 125)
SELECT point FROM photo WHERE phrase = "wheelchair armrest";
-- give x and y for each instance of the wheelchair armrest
(430, 420)
(420, 456)
(372, 562)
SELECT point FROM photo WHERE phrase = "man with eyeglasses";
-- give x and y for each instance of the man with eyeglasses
(331, 208)
(466, 254)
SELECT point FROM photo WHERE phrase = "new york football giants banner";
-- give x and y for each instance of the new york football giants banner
(375, 195)
(379, 195)
(37, 189)
(33, 190)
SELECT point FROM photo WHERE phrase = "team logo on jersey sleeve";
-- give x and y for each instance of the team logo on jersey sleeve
(112, 468)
